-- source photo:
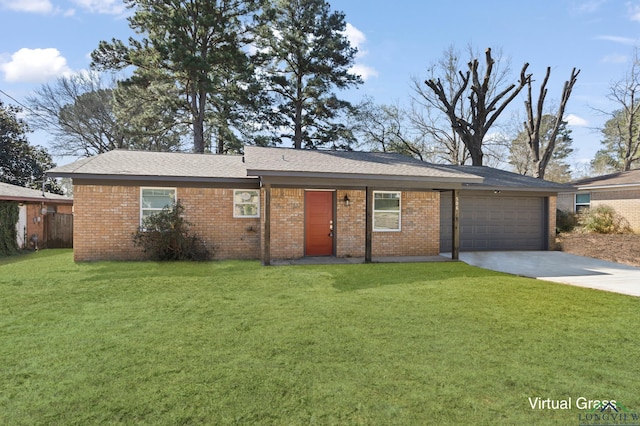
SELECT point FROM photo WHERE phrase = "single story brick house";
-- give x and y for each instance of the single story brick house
(35, 215)
(620, 190)
(279, 203)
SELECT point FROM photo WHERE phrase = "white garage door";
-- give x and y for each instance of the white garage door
(495, 223)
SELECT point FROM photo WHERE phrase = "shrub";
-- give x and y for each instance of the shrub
(603, 220)
(565, 221)
(166, 235)
(8, 234)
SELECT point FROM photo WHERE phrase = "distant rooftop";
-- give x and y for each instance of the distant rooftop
(10, 192)
(632, 177)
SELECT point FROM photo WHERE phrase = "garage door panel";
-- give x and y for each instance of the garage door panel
(495, 223)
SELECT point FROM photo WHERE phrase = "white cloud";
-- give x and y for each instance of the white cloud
(357, 39)
(34, 66)
(634, 11)
(110, 7)
(32, 6)
(576, 121)
(355, 36)
(589, 6)
(616, 39)
(615, 59)
(363, 71)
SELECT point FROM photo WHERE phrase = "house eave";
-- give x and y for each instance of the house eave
(36, 200)
(606, 187)
(500, 189)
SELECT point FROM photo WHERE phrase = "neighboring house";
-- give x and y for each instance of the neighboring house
(620, 190)
(278, 203)
(45, 219)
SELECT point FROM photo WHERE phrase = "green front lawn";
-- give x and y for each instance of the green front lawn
(238, 343)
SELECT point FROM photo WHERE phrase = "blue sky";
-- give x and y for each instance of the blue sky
(43, 39)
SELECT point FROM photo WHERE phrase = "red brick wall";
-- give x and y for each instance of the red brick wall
(287, 223)
(105, 217)
(350, 224)
(35, 227)
(420, 234)
(210, 211)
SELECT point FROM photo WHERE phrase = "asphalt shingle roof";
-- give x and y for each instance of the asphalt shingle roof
(260, 161)
(154, 164)
(631, 177)
(502, 179)
(20, 193)
(284, 161)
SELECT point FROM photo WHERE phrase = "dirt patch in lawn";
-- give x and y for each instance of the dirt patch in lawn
(619, 248)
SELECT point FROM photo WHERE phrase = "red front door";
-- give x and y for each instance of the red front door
(318, 210)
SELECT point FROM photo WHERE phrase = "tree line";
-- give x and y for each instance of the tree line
(215, 75)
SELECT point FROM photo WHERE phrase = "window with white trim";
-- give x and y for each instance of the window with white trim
(153, 200)
(583, 202)
(246, 203)
(386, 211)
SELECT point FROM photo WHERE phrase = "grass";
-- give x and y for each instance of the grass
(238, 343)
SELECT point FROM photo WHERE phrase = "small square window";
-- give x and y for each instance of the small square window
(153, 200)
(246, 203)
(583, 202)
(386, 211)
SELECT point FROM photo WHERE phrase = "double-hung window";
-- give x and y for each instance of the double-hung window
(583, 202)
(246, 203)
(153, 200)
(386, 211)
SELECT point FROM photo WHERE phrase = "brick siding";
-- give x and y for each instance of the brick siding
(420, 234)
(625, 202)
(566, 201)
(351, 224)
(287, 223)
(553, 203)
(106, 217)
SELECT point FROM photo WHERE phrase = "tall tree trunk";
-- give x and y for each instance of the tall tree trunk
(297, 132)
(198, 107)
(533, 123)
(475, 151)
(298, 105)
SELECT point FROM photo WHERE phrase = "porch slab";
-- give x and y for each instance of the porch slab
(331, 260)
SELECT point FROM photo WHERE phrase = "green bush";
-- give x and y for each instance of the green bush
(565, 221)
(9, 212)
(603, 220)
(166, 235)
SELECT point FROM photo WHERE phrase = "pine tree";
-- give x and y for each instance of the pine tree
(305, 56)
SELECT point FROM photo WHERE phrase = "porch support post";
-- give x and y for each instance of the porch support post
(368, 236)
(266, 254)
(455, 223)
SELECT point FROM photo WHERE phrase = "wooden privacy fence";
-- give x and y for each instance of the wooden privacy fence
(59, 230)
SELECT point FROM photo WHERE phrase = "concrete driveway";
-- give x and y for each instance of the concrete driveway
(560, 267)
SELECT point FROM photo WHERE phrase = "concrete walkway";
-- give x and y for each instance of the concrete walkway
(560, 267)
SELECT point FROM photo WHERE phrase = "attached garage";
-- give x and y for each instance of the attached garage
(496, 222)
(507, 211)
